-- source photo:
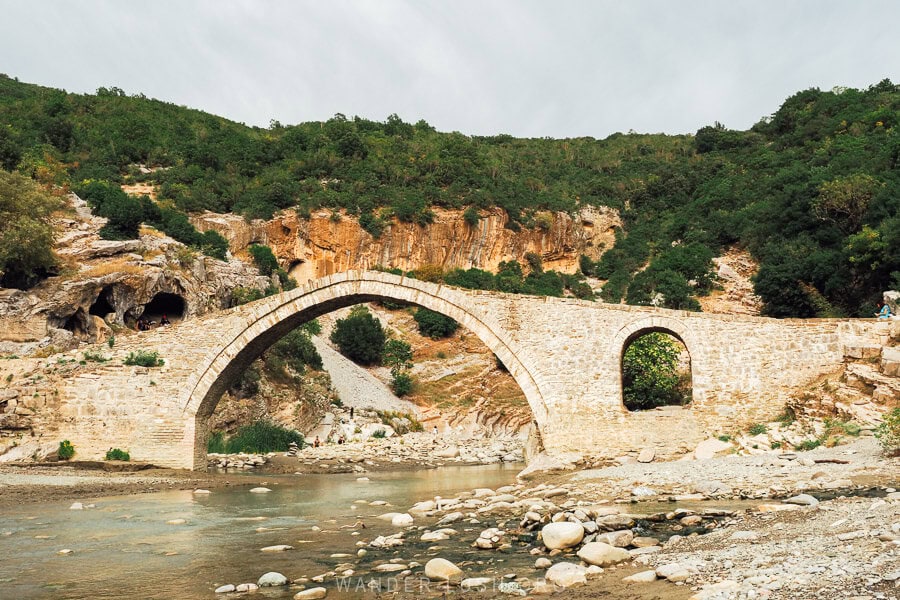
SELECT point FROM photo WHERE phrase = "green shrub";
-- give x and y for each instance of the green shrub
(360, 337)
(397, 355)
(116, 454)
(434, 324)
(888, 433)
(216, 443)
(124, 213)
(786, 417)
(66, 450)
(94, 356)
(287, 282)
(808, 445)
(295, 350)
(757, 429)
(402, 384)
(471, 216)
(243, 295)
(144, 358)
(263, 436)
(264, 259)
(111, 341)
(724, 438)
(213, 244)
(379, 434)
(836, 427)
(26, 234)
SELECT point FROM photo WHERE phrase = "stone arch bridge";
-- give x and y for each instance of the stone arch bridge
(565, 354)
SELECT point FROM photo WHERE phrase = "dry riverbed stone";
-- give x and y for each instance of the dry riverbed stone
(441, 569)
(562, 535)
(602, 554)
(566, 574)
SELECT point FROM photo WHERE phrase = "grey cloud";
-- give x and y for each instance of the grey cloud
(529, 68)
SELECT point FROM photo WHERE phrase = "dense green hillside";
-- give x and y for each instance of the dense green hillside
(812, 192)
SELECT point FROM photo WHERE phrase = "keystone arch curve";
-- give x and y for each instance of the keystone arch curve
(274, 317)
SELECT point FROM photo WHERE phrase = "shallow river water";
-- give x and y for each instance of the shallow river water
(124, 547)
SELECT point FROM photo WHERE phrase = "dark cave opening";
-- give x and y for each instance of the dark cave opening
(102, 305)
(172, 306)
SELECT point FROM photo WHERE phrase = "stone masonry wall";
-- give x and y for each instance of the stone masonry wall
(565, 354)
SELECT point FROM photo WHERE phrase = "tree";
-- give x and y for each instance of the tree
(397, 355)
(845, 200)
(360, 337)
(26, 236)
(213, 244)
(434, 325)
(124, 213)
(295, 350)
(650, 373)
(263, 258)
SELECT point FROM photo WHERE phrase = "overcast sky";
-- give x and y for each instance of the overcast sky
(527, 68)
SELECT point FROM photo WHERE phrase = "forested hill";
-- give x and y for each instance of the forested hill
(812, 191)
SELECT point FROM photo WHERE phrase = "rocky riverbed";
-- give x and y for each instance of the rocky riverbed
(819, 524)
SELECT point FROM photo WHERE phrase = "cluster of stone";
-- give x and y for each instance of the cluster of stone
(237, 461)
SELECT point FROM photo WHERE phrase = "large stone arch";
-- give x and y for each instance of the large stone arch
(663, 324)
(271, 319)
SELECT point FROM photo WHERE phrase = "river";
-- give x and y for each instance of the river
(138, 547)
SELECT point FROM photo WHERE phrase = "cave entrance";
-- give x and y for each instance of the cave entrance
(656, 370)
(172, 306)
(77, 323)
(102, 306)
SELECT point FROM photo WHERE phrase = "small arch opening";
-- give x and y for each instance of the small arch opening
(172, 306)
(656, 371)
(102, 306)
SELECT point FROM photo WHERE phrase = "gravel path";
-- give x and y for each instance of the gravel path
(356, 386)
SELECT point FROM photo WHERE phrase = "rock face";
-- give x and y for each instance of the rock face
(319, 246)
(114, 283)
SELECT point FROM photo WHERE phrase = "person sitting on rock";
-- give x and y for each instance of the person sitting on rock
(316, 442)
(884, 311)
(164, 320)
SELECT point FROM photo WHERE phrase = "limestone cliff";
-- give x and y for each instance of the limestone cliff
(104, 284)
(322, 245)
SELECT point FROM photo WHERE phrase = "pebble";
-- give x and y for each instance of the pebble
(260, 490)
(225, 589)
(311, 594)
(476, 582)
(441, 569)
(641, 577)
(565, 574)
